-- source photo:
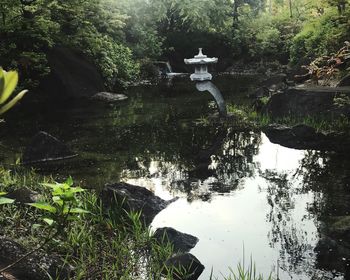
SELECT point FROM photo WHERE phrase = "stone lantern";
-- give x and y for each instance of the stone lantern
(203, 78)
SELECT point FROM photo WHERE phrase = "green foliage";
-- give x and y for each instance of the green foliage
(5, 200)
(64, 205)
(8, 83)
(28, 32)
(244, 273)
(114, 60)
(118, 34)
(320, 36)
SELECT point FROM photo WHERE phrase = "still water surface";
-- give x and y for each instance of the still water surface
(241, 195)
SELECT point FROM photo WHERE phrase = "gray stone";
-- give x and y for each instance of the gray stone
(45, 147)
(304, 102)
(183, 267)
(109, 97)
(181, 242)
(134, 198)
(23, 195)
(37, 266)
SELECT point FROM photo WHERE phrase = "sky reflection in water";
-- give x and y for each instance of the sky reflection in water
(252, 220)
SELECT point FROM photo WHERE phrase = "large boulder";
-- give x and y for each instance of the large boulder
(183, 267)
(306, 137)
(37, 266)
(134, 198)
(72, 74)
(182, 242)
(45, 147)
(303, 102)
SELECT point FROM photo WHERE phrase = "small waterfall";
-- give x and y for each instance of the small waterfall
(168, 68)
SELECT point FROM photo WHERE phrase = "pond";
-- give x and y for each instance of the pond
(241, 195)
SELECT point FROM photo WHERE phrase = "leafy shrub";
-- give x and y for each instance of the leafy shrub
(320, 36)
(8, 83)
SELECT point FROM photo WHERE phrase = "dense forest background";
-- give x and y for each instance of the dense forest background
(123, 37)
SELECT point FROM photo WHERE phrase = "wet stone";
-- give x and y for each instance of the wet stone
(134, 198)
(182, 242)
(23, 195)
(183, 267)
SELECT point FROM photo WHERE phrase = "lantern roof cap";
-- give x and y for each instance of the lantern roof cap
(201, 58)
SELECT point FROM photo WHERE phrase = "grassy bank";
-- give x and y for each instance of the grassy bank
(96, 243)
(249, 116)
(99, 245)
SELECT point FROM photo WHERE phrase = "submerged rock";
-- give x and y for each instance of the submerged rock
(183, 267)
(37, 266)
(109, 97)
(182, 242)
(306, 137)
(134, 198)
(45, 147)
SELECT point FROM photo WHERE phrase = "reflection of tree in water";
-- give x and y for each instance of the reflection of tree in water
(286, 234)
(205, 160)
(328, 176)
(218, 167)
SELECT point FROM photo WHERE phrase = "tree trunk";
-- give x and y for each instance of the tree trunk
(290, 8)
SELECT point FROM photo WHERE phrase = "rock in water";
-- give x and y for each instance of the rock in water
(305, 137)
(45, 147)
(182, 242)
(109, 97)
(183, 267)
(307, 102)
(134, 198)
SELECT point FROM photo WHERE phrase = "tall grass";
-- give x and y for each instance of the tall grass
(99, 245)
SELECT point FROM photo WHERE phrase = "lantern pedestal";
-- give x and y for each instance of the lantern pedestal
(203, 78)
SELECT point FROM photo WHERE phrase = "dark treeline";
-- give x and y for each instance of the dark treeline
(122, 37)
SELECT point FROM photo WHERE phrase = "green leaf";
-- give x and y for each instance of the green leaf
(79, 211)
(11, 80)
(10, 104)
(53, 186)
(2, 80)
(69, 181)
(44, 206)
(36, 226)
(48, 221)
(77, 190)
(3, 193)
(58, 192)
(5, 200)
